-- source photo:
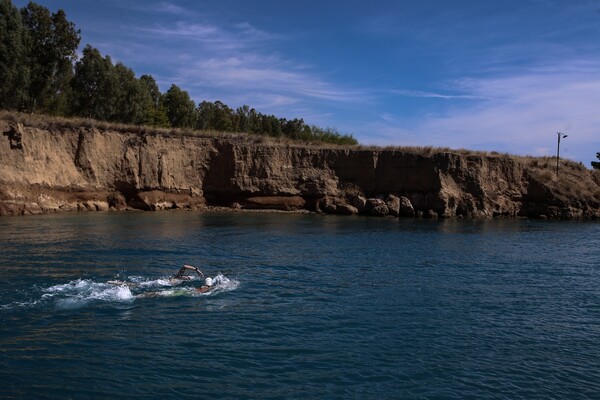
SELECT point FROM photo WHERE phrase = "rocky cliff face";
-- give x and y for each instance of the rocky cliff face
(86, 169)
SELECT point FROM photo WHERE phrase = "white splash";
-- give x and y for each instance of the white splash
(220, 283)
(82, 291)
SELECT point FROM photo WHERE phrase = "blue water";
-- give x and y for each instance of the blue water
(306, 307)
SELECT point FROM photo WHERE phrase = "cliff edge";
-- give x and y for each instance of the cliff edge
(67, 169)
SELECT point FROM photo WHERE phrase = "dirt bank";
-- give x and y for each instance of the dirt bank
(86, 169)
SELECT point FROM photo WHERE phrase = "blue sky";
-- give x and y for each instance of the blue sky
(487, 75)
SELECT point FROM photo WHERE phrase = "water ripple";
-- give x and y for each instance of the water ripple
(305, 307)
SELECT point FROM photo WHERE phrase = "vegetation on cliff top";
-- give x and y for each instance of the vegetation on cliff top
(40, 73)
(596, 164)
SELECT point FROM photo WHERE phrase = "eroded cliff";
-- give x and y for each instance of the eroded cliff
(47, 170)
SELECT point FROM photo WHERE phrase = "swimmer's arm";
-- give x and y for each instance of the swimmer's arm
(194, 269)
(181, 272)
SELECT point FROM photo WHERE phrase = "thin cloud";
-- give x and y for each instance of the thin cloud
(268, 74)
(238, 58)
(419, 93)
(247, 30)
(238, 36)
(163, 7)
(520, 113)
(171, 8)
(196, 31)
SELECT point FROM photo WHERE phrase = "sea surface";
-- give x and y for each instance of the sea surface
(305, 307)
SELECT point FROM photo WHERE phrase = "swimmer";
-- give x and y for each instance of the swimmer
(208, 285)
(177, 278)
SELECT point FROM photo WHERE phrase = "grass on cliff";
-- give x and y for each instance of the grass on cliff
(574, 180)
(47, 122)
(50, 123)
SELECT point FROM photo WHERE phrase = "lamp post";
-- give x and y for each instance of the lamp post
(558, 134)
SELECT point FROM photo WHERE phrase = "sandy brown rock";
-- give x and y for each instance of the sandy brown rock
(284, 203)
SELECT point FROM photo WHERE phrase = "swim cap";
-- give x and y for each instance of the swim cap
(208, 281)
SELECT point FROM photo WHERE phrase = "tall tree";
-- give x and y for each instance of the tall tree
(152, 89)
(292, 128)
(131, 98)
(14, 71)
(94, 86)
(205, 114)
(596, 164)
(156, 112)
(52, 43)
(223, 117)
(180, 108)
(270, 125)
(243, 118)
(254, 122)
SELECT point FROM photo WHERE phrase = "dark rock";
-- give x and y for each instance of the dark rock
(431, 214)
(358, 202)
(15, 135)
(327, 205)
(116, 201)
(346, 209)
(406, 208)
(393, 205)
(376, 207)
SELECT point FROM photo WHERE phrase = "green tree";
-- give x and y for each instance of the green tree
(223, 117)
(270, 125)
(180, 108)
(52, 43)
(156, 112)
(243, 118)
(14, 71)
(331, 135)
(205, 114)
(131, 98)
(216, 116)
(254, 122)
(152, 89)
(94, 86)
(292, 128)
(596, 164)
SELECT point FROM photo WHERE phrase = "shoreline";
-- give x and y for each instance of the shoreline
(232, 210)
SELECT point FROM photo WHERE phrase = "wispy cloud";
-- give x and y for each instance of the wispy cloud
(519, 113)
(161, 7)
(238, 36)
(419, 93)
(194, 31)
(266, 75)
(240, 58)
(170, 8)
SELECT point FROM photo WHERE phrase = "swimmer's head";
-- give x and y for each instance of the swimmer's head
(209, 281)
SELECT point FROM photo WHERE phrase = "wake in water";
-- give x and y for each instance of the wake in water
(80, 292)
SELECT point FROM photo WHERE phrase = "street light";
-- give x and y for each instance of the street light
(558, 134)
